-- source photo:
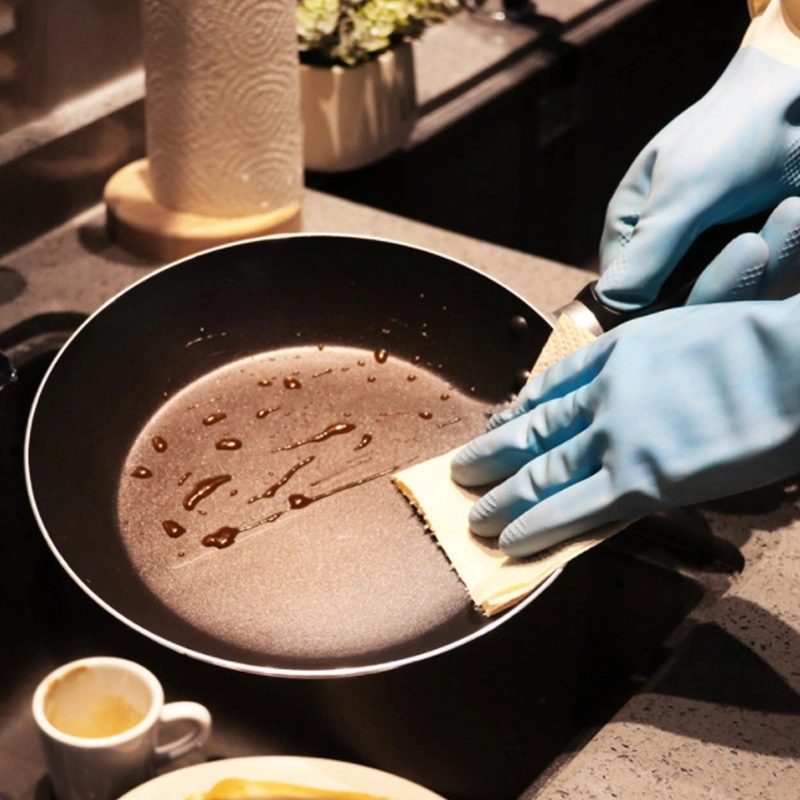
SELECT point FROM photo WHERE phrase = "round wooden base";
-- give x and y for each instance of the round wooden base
(140, 224)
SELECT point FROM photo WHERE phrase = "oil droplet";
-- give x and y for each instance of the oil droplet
(381, 356)
(299, 501)
(262, 412)
(361, 362)
(223, 537)
(159, 444)
(229, 444)
(336, 429)
(213, 419)
(203, 489)
(265, 383)
(426, 415)
(184, 478)
(365, 440)
(444, 396)
(173, 529)
(141, 472)
(292, 383)
(270, 492)
(411, 378)
(371, 379)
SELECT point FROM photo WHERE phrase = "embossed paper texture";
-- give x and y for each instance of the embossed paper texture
(494, 581)
(224, 136)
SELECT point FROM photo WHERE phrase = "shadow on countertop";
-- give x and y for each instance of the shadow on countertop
(728, 689)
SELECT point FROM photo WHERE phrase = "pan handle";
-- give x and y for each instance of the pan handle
(589, 311)
(35, 336)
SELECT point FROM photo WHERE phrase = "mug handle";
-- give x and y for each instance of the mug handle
(194, 713)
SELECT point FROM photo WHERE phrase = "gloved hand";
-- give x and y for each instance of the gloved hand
(762, 266)
(734, 153)
(679, 407)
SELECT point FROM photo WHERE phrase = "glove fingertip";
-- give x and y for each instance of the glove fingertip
(520, 540)
(517, 542)
(464, 466)
(482, 517)
(496, 420)
(788, 212)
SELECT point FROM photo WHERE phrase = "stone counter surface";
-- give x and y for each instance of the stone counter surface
(75, 268)
(722, 719)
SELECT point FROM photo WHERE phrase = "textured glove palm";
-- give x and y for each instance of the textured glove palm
(732, 154)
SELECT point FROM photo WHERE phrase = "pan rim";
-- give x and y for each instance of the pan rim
(253, 668)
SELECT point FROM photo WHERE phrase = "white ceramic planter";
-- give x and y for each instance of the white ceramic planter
(354, 116)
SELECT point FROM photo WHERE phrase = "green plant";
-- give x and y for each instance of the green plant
(351, 32)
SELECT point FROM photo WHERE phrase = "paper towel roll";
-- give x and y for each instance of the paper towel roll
(222, 105)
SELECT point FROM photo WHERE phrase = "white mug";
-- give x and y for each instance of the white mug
(98, 721)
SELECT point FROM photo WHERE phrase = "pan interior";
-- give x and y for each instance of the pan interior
(257, 504)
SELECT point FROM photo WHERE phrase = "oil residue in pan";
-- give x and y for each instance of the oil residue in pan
(269, 519)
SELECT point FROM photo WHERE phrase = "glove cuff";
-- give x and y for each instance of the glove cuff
(775, 29)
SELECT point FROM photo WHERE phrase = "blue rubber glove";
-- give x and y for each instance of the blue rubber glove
(679, 407)
(762, 266)
(734, 153)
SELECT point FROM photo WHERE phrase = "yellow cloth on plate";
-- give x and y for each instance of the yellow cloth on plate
(494, 580)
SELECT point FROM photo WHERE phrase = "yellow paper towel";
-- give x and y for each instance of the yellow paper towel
(222, 105)
(494, 580)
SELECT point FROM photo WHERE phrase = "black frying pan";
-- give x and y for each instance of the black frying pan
(209, 455)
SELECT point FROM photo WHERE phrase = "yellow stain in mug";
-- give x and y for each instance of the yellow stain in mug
(72, 706)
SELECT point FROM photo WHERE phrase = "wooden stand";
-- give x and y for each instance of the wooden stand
(140, 224)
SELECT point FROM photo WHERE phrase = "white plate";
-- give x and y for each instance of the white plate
(318, 773)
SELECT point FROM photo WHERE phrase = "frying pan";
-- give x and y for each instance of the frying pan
(209, 456)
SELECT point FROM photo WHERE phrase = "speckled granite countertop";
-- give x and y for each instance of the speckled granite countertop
(722, 719)
(75, 268)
